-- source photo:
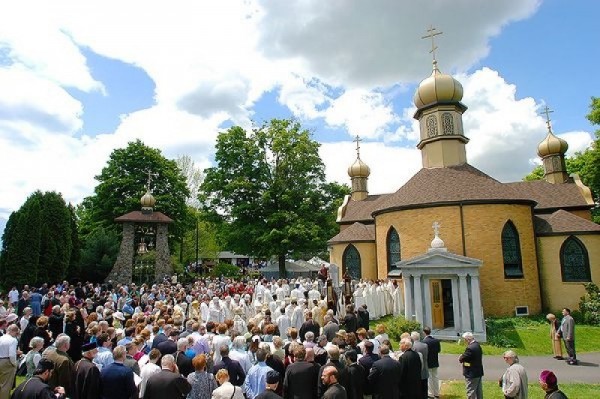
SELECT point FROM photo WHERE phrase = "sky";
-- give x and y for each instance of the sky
(80, 79)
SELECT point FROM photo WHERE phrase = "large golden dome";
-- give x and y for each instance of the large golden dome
(148, 200)
(552, 145)
(438, 87)
(359, 169)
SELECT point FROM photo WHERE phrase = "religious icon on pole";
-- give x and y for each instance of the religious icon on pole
(347, 289)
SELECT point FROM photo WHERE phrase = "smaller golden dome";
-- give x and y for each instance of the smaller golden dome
(359, 169)
(552, 145)
(148, 200)
(439, 87)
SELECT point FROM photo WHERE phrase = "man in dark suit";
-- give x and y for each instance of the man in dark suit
(335, 390)
(423, 350)
(385, 376)
(472, 362)
(169, 346)
(309, 325)
(86, 380)
(161, 336)
(300, 377)
(433, 362)
(117, 379)
(362, 315)
(410, 371)
(367, 362)
(236, 372)
(357, 378)
(334, 360)
(184, 363)
(167, 383)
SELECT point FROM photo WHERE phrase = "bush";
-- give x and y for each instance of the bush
(589, 305)
(225, 270)
(399, 325)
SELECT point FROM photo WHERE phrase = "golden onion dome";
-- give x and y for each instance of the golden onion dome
(439, 87)
(552, 145)
(359, 169)
(148, 200)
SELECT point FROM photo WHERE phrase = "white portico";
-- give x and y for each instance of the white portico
(441, 290)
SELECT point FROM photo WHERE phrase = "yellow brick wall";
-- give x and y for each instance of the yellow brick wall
(483, 228)
(556, 294)
(368, 261)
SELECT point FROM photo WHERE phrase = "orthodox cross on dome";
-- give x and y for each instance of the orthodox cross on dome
(432, 33)
(436, 228)
(357, 139)
(150, 176)
(547, 111)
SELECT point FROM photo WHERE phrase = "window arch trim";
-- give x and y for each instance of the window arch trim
(352, 265)
(511, 251)
(393, 247)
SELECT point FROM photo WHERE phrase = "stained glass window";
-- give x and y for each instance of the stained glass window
(393, 248)
(574, 261)
(352, 262)
(511, 251)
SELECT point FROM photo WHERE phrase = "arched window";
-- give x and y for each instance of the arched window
(574, 261)
(393, 248)
(351, 262)
(511, 251)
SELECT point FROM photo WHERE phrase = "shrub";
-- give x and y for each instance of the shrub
(225, 270)
(399, 325)
(589, 305)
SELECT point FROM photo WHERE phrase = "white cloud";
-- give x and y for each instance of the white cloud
(337, 63)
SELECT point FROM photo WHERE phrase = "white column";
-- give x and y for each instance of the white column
(476, 297)
(456, 304)
(408, 302)
(464, 303)
(418, 299)
(427, 297)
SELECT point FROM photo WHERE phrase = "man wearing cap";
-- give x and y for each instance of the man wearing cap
(272, 382)
(549, 384)
(37, 386)
(472, 362)
(86, 384)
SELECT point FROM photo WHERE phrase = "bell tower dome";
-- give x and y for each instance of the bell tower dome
(552, 151)
(439, 112)
(359, 174)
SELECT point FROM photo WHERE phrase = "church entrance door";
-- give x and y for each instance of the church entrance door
(437, 304)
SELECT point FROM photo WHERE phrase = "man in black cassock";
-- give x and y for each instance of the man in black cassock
(86, 384)
(37, 386)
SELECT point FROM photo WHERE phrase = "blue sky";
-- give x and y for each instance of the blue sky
(79, 80)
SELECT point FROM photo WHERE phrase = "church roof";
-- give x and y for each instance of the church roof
(551, 196)
(463, 183)
(360, 211)
(358, 232)
(141, 217)
(563, 222)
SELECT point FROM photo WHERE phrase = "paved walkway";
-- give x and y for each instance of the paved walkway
(587, 371)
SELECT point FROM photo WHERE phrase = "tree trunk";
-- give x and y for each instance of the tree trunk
(282, 273)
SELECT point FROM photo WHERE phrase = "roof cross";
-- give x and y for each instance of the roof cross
(547, 111)
(357, 139)
(432, 34)
(436, 228)
(150, 176)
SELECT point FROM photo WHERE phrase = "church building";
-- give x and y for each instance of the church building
(498, 249)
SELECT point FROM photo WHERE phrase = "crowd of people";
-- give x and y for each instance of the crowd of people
(219, 339)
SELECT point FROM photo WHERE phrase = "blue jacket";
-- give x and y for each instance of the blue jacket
(117, 382)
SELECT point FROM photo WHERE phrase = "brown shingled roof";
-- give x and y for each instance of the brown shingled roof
(360, 211)
(562, 222)
(358, 232)
(139, 217)
(451, 184)
(551, 196)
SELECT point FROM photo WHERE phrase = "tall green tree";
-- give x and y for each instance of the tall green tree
(268, 192)
(37, 243)
(122, 183)
(98, 255)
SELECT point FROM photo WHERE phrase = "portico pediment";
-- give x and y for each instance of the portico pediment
(436, 261)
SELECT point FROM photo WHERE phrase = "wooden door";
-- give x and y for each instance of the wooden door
(437, 305)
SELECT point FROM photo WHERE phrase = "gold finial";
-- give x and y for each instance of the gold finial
(547, 111)
(357, 140)
(432, 34)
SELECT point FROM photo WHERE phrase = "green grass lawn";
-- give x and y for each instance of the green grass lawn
(528, 336)
(456, 390)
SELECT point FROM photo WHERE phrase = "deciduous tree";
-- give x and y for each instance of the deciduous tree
(268, 192)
